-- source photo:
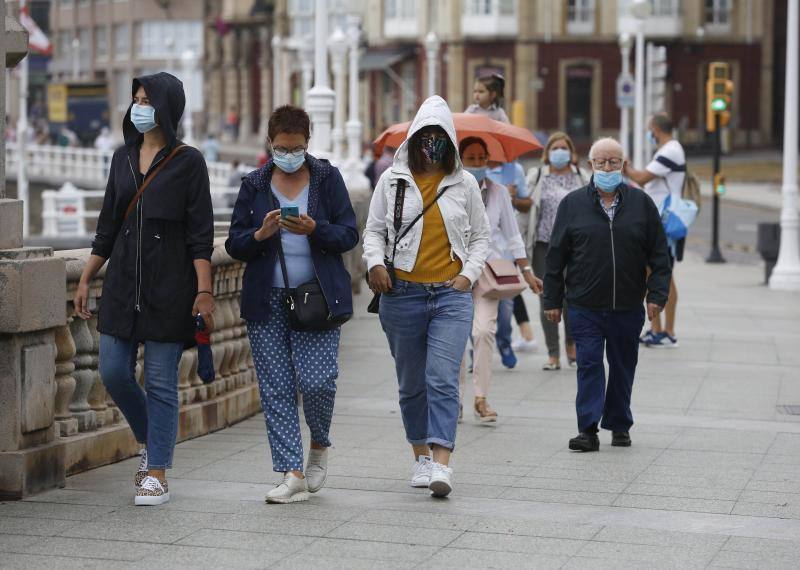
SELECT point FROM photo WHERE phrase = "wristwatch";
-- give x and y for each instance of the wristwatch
(527, 269)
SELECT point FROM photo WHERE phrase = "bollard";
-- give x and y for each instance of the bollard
(768, 245)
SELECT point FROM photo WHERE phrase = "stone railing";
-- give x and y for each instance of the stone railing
(58, 419)
(92, 428)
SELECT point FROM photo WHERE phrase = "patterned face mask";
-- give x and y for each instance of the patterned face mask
(433, 147)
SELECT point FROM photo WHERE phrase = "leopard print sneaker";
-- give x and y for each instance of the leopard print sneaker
(141, 473)
(152, 492)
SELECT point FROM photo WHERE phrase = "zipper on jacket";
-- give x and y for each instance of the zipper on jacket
(139, 223)
(613, 266)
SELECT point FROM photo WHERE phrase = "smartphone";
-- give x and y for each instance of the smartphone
(292, 211)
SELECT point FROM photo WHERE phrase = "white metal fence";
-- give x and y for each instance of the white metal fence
(84, 166)
(65, 211)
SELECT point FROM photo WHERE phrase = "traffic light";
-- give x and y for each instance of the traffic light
(719, 91)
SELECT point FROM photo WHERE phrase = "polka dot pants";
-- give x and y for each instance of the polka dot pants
(286, 360)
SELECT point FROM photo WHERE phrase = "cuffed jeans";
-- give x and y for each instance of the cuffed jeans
(615, 333)
(152, 413)
(427, 327)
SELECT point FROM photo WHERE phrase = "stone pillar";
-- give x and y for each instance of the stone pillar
(84, 376)
(66, 425)
(265, 72)
(231, 80)
(245, 60)
(338, 46)
(353, 170)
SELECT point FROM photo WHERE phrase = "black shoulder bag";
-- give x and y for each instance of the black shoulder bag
(399, 198)
(306, 305)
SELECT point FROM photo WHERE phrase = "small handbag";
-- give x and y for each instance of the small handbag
(501, 279)
(306, 305)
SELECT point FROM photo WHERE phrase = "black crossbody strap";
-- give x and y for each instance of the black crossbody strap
(281, 257)
(401, 235)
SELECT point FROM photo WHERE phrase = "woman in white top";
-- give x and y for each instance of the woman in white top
(505, 243)
(548, 185)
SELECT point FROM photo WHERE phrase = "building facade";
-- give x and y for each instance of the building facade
(561, 59)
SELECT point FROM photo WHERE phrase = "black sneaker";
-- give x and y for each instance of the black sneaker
(585, 442)
(620, 439)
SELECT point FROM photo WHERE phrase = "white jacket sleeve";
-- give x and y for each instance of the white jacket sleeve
(375, 232)
(510, 228)
(478, 247)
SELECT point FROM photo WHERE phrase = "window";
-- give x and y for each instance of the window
(507, 8)
(666, 8)
(101, 43)
(401, 9)
(65, 3)
(169, 39)
(489, 18)
(718, 13)
(122, 42)
(580, 16)
(85, 49)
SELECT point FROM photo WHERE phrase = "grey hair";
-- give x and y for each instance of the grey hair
(663, 122)
(604, 141)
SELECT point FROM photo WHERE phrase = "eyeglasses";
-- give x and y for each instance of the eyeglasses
(282, 152)
(614, 163)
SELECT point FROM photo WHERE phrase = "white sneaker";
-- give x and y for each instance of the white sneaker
(441, 480)
(422, 472)
(152, 492)
(316, 469)
(291, 490)
(522, 345)
(141, 472)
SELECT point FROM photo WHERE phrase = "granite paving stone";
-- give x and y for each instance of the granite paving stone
(712, 479)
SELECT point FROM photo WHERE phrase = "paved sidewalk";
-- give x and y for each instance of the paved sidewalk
(712, 479)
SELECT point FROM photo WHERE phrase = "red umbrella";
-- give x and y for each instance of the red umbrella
(506, 142)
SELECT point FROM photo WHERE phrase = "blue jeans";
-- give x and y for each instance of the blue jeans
(616, 334)
(427, 327)
(152, 413)
(286, 360)
(505, 310)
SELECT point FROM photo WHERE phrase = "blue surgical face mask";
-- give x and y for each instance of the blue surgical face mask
(652, 138)
(559, 157)
(607, 181)
(290, 162)
(143, 117)
(479, 172)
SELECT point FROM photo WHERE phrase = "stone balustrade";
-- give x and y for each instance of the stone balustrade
(92, 428)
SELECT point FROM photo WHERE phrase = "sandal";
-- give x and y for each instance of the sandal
(551, 366)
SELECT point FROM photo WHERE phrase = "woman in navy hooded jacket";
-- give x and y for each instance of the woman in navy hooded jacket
(159, 271)
(313, 244)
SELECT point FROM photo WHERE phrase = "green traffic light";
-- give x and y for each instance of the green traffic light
(718, 104)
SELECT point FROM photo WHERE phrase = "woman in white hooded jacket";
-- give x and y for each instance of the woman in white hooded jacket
(425, 243)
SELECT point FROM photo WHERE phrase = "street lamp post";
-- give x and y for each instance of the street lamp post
(306, 50)
(786, 274)
(432, 52)
(353, 168)
(338, 46)
(188, 61)
(624, 126)
(320, 98)
(277, 52)
(22, 140)
(640, 9)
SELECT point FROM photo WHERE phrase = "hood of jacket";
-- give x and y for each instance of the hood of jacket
(434, 111)
(165, 92)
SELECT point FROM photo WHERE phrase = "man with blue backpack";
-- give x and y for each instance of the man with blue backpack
(663, 179)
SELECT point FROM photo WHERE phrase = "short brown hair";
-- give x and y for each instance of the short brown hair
(469, 141)
(416, 160)
(289, 119)
(554, 138)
